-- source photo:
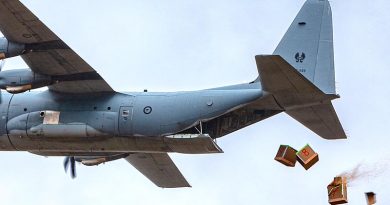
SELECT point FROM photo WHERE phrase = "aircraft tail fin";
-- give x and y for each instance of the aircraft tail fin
(299, 97)
(308, 44)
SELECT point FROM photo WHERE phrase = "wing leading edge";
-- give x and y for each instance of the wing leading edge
(158, 168)
(51, 55)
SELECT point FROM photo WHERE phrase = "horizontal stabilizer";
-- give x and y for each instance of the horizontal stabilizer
(277, 75)
(158, 168)
(299, 97)
(321, 119)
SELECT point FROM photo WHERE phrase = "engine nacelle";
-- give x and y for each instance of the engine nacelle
(94, 161)
(21, 80)
(10, 49)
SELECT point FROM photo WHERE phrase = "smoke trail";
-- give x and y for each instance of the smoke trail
(364, 171)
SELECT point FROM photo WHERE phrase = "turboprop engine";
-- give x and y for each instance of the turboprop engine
(21, 80)
(10, 49)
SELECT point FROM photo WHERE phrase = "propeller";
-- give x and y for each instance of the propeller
(70, 161)
(2, 64)
(1, 68)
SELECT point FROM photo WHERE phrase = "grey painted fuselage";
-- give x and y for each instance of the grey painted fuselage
(112, 122)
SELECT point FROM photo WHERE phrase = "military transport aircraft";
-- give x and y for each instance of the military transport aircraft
(82, 118)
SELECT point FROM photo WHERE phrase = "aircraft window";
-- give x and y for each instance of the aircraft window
(42, 114)
(108, 108)
(95, 108)
(302, 23)
(125, 113)
(25, 109)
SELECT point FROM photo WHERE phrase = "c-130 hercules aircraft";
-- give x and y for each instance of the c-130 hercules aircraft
(81, 117)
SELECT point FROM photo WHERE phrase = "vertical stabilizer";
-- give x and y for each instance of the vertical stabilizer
(308, 45)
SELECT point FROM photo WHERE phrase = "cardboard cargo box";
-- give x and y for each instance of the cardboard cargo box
(286, 155)
(337, 191)
(307, 157)
(371, 198)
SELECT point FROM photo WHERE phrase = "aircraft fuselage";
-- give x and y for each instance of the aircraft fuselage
(45, 122)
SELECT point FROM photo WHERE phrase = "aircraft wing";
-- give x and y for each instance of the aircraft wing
(53, 57)
(158, 168)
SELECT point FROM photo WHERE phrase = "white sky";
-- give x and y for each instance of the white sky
(194, 44)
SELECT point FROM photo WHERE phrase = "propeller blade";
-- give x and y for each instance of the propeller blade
(70, 161)
(73, 167)
(2, 65)
(1, 68)
(66, 163)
